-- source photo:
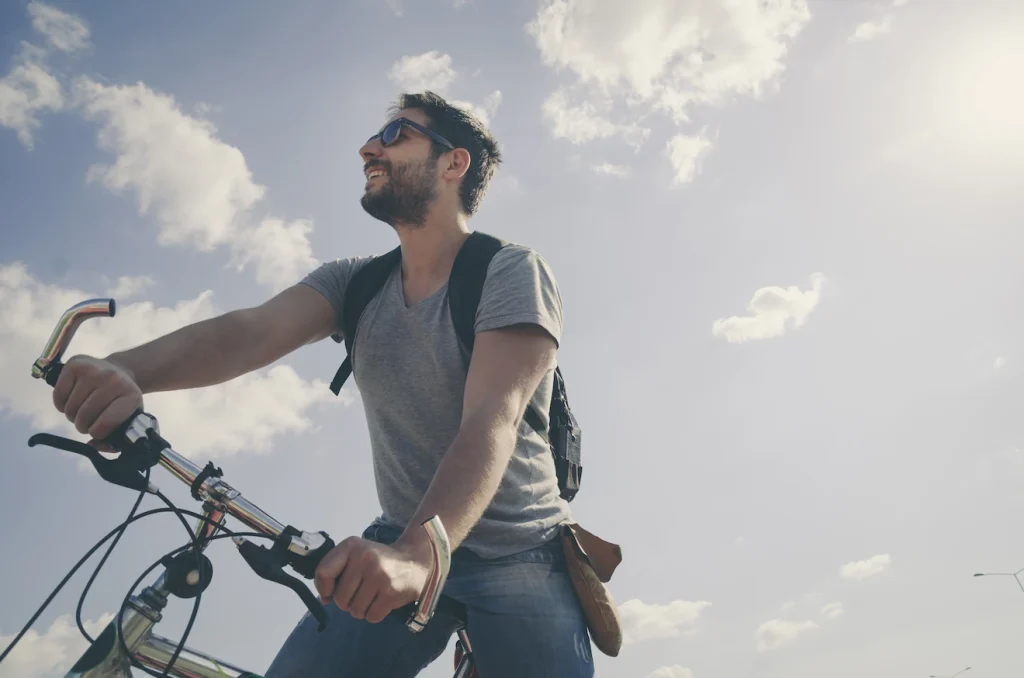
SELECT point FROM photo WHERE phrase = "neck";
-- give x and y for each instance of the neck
(429, 249)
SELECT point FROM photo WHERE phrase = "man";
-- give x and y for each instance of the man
(444, 442)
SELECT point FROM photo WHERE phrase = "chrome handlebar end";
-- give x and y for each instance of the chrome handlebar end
(66, 328)
(441, 548)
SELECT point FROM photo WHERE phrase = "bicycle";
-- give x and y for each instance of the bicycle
(128, 640)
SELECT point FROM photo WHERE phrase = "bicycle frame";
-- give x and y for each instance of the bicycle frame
(106, 658)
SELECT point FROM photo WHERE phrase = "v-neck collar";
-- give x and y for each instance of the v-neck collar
(400, 282)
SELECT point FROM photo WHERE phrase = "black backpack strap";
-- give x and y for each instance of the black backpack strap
(465, 287)
(364, 286)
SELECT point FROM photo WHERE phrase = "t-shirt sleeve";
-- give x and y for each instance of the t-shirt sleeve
(520, 289)
(331, 279)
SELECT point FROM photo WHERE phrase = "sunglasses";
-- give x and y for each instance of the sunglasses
(390, 133)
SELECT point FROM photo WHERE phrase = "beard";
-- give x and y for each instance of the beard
(407, 192)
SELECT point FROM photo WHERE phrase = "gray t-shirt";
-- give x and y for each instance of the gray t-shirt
(411, 377)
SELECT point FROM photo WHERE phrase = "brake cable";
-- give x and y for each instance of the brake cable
(103, 560)
(119, 530)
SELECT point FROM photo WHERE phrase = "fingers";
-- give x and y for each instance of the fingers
(366, 579)
(62, 389)
(330, 568)
(116, 413)
(371, 588)
(95, 396)
(381, 606)
(84, 412)
(347, 587)
(102, 412)
(80, 392)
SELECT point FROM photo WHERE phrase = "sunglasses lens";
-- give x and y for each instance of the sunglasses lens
(390, 133)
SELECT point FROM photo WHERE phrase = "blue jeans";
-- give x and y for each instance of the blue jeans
(523, 619)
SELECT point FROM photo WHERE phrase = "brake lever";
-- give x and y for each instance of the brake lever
(117, 471)
(268, 564)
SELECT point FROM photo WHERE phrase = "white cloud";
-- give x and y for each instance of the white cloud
(484, 113)
(674, 671)
(279, 251)
(686, 154)
(642, 622)
(862, 569)
(198, 188)
(428, 71)
(27, 90)
(613, 170)
(492, 101)
(583, 122)
(66, 32)
(668, 55)
(832, 611)
(127, 287)
(51, 653)
(434, 71)
(773, 310)
(869, 30)
(779, 633)
(242, 415)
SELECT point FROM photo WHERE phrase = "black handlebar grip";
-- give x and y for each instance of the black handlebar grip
(53, 372)
(446, 607)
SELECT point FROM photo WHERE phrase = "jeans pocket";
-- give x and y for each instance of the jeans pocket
(548, 554)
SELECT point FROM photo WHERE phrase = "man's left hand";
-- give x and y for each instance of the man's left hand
(370, 580)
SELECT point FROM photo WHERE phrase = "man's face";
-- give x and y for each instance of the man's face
(402, 179)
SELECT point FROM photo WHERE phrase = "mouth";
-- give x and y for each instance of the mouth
(375, 173)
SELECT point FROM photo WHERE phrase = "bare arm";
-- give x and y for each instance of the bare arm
(369, 580)
(235, 343)
(506, 368)
(98, 395)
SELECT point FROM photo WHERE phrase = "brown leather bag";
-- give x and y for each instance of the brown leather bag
(592, 561)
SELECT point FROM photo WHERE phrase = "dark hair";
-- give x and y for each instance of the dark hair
(464, 131)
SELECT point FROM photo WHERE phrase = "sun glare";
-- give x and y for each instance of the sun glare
(982, 88)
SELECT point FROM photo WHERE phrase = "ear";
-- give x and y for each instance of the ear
(456, 163)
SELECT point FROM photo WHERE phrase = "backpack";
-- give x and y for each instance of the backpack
(465, 286)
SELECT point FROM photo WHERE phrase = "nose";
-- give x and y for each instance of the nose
(371, 149)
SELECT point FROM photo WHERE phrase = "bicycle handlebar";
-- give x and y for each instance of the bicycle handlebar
(139, 437)
(48, 364)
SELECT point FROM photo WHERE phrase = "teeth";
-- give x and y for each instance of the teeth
(375, 173)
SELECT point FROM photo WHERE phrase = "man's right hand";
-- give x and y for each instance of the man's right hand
(96, 395)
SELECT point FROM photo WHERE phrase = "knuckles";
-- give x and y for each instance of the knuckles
(369, 561)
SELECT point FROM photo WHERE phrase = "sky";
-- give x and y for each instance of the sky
(787, 237)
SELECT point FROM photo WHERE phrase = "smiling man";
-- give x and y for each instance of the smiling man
(446, 440)
(446, 443)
